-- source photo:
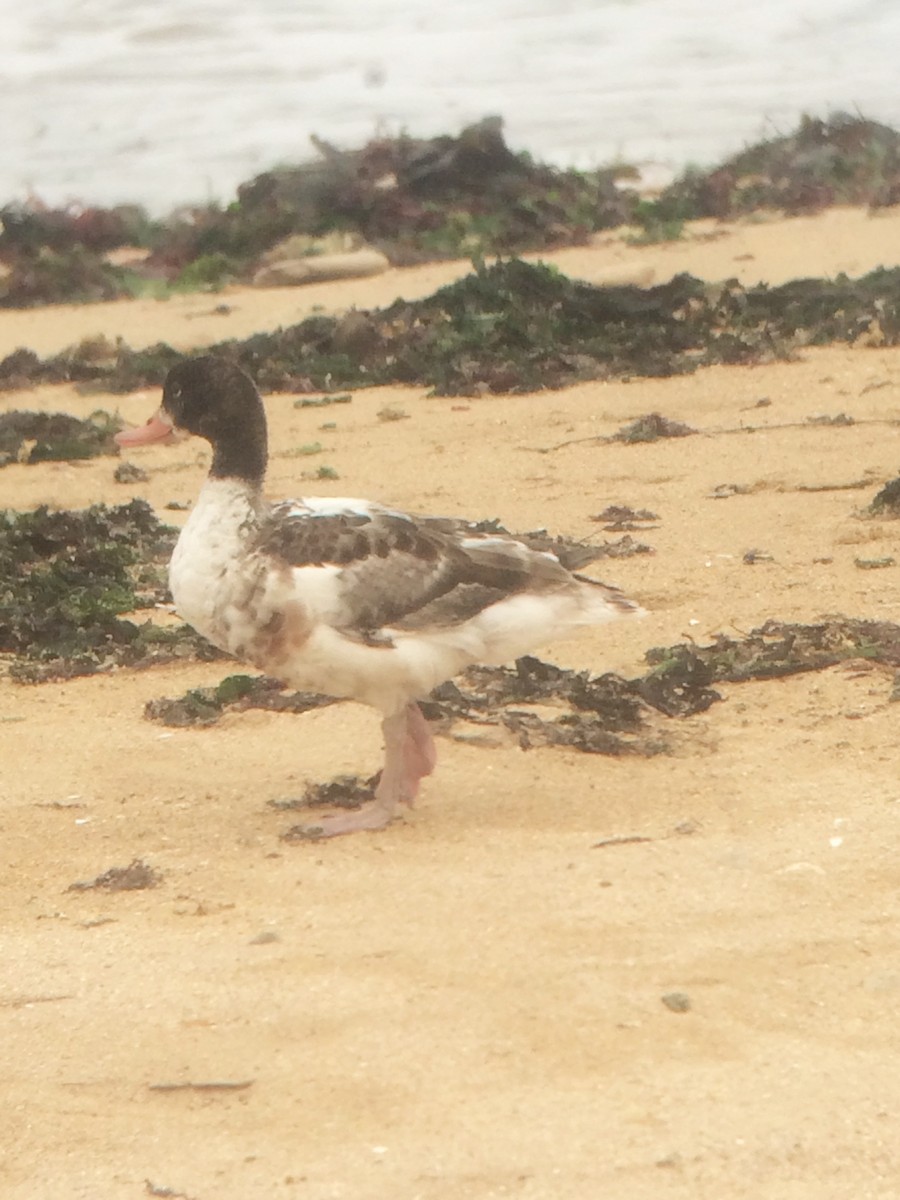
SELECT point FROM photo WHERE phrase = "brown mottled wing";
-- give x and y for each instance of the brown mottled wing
(389, 566)
(570, 553)
(396, 571)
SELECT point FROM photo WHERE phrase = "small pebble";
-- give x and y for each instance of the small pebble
(265, 938)
(678, 1002)
(127, 472)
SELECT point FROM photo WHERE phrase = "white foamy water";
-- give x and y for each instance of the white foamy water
(181, 100)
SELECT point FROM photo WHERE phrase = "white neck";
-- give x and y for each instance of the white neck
(209, 549)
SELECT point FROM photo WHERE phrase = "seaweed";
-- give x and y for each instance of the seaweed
(22, 368)
(598, 705)
(128, 472)
(30, 228)
(137, 876)
(679, 679)
(62, 277)
(415, 199)
(577, 731)
(33, 437)
(516, 326)
(678, 684)
(617, 518)
(874, 564)
(623, 547)
(607, 714)
(205, 706)
(67, 578)
(886, 502)
(650, 428)
(323, 401)
(344, 791)
(777, 649)
(841, 160)
(422, 199)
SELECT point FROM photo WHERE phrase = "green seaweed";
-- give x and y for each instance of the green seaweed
(206, 706)
(658, 221)
(127, 472)
(33, 437)
(67, 579)
(515, 326)
(651, 428)
(843, 159)
(73, 275)
(779, 648)
(604, 714)
(886, 502)
(420, 199)
(448, 197)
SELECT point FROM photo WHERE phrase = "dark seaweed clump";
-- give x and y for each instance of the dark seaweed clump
(34, 437)
(73, 276)
(607, 714)
(205, 706)
(56, 256)
(599, 714)
(603, 714)
(416, 199)
(517, 326)
(344, 791)
(66, 578)
(886, 502)
(420, 199)
(774, 650)
(136, 877)
(619, 517)
(842, 160)
(651, 428)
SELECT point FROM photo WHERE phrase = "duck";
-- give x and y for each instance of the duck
(350, 597)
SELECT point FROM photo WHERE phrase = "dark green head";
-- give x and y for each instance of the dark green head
(214, 399)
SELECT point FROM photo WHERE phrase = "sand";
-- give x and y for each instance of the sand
(470, 1004)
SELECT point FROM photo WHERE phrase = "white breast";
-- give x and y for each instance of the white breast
(210, 576)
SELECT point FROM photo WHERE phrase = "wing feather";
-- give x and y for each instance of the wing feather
(388, 569)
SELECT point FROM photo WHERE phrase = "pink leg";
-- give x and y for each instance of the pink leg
(421, 751)
(409, 754)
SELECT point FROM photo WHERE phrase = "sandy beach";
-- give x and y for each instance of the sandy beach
(478, 1001)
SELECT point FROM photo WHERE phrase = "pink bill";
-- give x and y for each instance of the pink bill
(157, 429)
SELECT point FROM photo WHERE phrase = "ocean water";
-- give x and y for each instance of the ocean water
(179, 101)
